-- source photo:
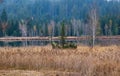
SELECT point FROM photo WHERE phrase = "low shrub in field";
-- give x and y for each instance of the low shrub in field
(56, 45)
(66, 46)
(70, 45)
(63, 44)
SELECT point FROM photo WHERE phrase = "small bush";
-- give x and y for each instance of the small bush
(63, 43)
(66, 45)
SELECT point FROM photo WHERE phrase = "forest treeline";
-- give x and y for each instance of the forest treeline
(44, 17)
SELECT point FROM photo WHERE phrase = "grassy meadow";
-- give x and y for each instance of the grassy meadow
(45, 61)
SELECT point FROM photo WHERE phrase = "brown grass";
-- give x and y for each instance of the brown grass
(83, 61)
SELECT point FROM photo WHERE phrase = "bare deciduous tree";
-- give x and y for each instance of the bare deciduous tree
(106, 29)
(78, 30)
(77, 25)
(50, 32)
(23, 29)
(51, 29)
(110, 27)
(93, 23)
(4, 27)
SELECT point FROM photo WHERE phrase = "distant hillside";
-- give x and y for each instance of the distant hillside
(59, 9)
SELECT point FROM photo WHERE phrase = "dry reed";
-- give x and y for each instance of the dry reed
(99, 61)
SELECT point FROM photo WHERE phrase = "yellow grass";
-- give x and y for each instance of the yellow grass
(83, 61)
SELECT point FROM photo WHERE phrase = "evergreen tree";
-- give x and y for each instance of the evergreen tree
(46, 30)
(4, 16)
(3, 21)
(62, 34)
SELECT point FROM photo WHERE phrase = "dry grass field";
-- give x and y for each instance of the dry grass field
(45, 61)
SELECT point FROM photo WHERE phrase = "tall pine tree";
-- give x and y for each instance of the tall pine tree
(4, 21)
